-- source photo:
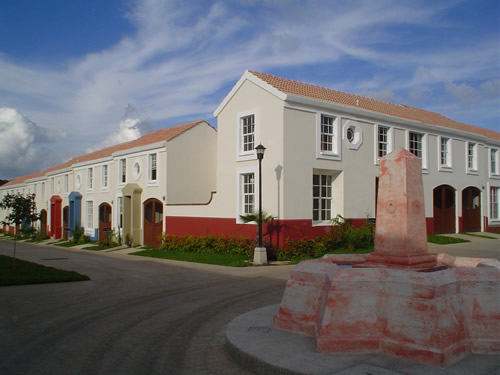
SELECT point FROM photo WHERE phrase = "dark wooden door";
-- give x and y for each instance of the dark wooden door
(65, 222)
(471, 210)
(104, 221)
(43, 223)
(153, 222)
(444, 209)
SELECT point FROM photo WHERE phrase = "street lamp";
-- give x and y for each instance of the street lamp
(260, 255)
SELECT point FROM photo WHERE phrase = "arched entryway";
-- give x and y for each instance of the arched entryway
(65, 222)
(471, 209)
(153, 222)
(55, 216)
(104, 221)
(444, 209)
(43, 223)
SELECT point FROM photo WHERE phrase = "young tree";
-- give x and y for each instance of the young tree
(20, 208)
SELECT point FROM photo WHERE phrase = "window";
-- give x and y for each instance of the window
(104, 176)
(444, 151)
(382, 141)
(152, 167)
(123, 171)
(445, 155)
(327, 134)
(322, 197)
(52, 186)
(248, 193)
(247, 133)
(90, 214)
(494, 203)
(66, 183)
(471, 156)
(494, 161)
(415, 144)
(90, 178)
(43, 190)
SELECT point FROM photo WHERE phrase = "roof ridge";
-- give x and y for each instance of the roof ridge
(325, 88)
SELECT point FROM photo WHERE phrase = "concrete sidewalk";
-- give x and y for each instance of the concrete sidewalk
(478, 247)
(255, 343)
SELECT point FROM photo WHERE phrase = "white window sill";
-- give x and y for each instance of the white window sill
(246, 156)
(153, 183)
(105, 190)
(473, 172)
(328, 156)
(495, 176)
(444, 168)
(322, 223)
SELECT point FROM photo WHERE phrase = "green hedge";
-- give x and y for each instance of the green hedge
(342, 236)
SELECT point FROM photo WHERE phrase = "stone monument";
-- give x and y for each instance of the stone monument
(399, 300)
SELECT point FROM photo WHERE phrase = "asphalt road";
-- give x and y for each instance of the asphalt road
(135, 316)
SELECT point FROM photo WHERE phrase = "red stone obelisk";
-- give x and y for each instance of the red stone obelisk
(400, 232)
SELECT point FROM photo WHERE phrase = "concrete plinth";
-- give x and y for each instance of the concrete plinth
(260, 256)
(435, 318)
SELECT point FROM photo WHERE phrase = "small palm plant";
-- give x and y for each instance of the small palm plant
(253, 217)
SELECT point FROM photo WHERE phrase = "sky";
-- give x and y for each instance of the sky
(79, 75)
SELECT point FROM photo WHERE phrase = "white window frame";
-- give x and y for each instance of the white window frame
(335, 152)
(122, 171)
(43, 191)
(151, 180)
(89, 216)
(240, 172)
(90, 179)
(448, 166)
(390, 141)
(471, 161)
(494, 169)
(424, 146)
(52, 186)
(105, 177)
(494, 220)
(321, 198)
(242, 155)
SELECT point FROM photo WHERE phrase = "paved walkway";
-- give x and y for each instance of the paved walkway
(153, 316)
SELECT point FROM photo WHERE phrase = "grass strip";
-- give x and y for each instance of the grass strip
(99, 247)
(65, 244)
(228, 260)
(479, 235)
(444, 240)
(33, 273)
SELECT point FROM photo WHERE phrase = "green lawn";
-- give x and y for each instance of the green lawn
(99, 247)
(229, 260)
(444, 240)
(65, 244)
(479, 235)
(32, 273)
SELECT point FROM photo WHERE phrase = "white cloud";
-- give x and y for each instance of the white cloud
(22, 144)
(183, 52)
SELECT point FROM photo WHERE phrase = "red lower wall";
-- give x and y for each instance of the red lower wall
(489, 228)
(274, 232)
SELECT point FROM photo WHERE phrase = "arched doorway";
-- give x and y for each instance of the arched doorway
(444, 209)
(65, 222)
(471, 209)
(153, 222)
(43, 223)
(104, 221)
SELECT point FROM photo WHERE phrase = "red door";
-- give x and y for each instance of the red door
(55, 217)
(444, 209)
(471, 210)
(153, 222)
(104, 221)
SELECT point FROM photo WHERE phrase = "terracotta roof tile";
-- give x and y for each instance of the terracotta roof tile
(154, 137)
(292, 87)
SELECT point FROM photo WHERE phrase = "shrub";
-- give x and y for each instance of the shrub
(77, 234)
(208, 244)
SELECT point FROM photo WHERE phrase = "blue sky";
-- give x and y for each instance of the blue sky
(82, 74)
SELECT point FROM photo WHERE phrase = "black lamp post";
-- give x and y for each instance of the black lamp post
(260, 256)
